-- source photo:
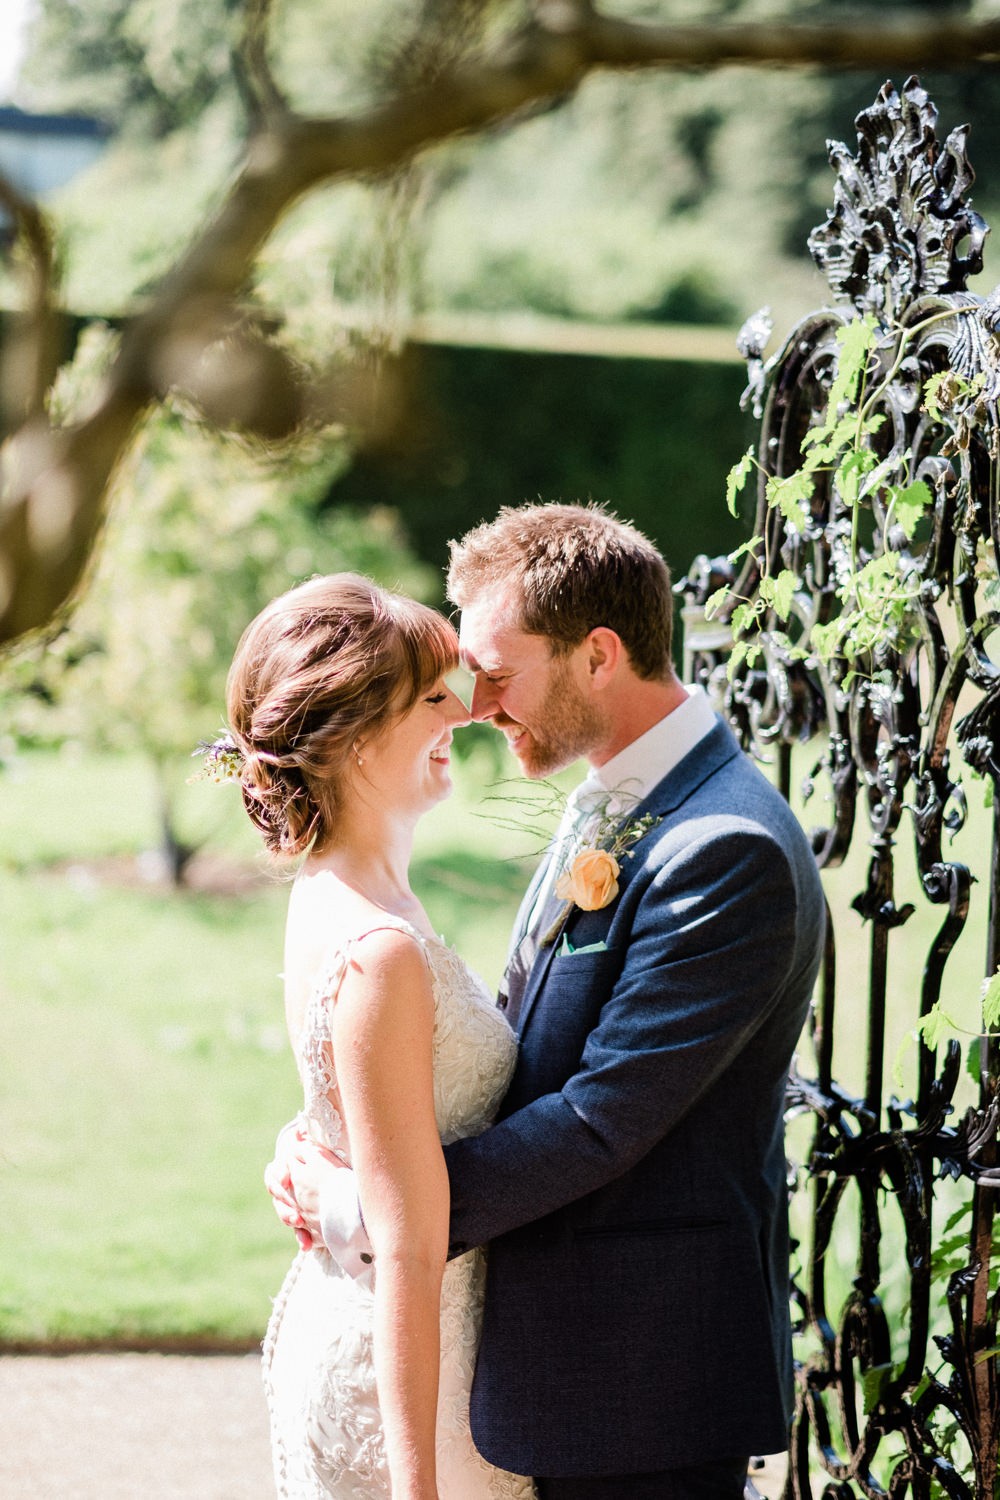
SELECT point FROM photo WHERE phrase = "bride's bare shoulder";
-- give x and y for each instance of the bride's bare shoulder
(327, 917)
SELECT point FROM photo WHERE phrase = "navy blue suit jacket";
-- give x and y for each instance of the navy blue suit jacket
(633, 1191)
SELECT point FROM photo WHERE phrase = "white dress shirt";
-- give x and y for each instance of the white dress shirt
(612, 790)
(631, 775)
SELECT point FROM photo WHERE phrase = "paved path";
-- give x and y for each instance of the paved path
(133, 1427)
(145, 1427)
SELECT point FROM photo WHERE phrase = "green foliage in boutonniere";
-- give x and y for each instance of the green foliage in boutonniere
(589, 874)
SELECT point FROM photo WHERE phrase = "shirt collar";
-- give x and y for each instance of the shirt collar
(632, 774)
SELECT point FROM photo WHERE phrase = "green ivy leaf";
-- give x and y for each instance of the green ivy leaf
(974, 1058)
(945, 390)
(850, 473)
(737, 478)
(744, 547)
(874, 1382)
(789, 494)
(736, 659)
(934, 1027)
(825, 639)
(785, 585)
(910, 505)
(991, 1002)
(743, 616)
(715, 601)
(856, 340)
(932, 393)
(822, 444)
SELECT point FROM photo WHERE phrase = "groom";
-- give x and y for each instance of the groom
(636, 1335)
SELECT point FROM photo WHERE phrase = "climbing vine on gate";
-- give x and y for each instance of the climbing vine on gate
(857, 626)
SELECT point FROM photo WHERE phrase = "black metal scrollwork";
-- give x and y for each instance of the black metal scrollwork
(914, 1406)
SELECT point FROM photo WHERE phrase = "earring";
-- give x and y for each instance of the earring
(357, 753)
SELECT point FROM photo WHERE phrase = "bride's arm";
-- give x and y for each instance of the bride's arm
(383, 1025)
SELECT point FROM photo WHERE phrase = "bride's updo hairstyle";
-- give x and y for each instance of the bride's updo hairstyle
(322, 667)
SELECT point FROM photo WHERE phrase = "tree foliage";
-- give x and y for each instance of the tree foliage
(199, 334)
(684, 195)
(145, 67)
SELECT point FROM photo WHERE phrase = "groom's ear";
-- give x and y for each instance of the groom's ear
(605, 655)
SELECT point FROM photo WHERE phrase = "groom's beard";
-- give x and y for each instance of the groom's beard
(567, 727)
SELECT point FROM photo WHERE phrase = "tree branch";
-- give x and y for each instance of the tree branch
(58, 478)
(29, 365)
(262, 99)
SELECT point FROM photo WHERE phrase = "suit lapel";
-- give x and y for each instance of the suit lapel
(717, 748)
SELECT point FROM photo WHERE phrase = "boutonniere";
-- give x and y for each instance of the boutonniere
(590, 879)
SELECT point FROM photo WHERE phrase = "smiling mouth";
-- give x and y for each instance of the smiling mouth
(443, 757)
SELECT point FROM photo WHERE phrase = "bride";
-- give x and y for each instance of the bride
(342, 722)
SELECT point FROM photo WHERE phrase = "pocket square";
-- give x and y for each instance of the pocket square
(566, 947)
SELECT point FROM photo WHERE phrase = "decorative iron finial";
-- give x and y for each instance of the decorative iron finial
(900, 210)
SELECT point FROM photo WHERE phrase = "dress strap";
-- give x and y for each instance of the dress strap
(400, 925)
(331, 974)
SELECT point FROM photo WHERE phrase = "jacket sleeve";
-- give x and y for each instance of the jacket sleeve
(710, 953)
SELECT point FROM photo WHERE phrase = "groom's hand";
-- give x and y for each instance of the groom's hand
(293, 1179)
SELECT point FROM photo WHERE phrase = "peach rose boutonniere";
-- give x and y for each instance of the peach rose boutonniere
(591, 879)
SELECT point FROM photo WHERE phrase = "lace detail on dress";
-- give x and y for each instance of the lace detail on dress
(319, 1373)
(315, 1056)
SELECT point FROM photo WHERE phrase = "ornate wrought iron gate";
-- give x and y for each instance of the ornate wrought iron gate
(888, 1401)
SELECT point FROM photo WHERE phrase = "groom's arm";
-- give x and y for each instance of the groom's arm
(708, 957)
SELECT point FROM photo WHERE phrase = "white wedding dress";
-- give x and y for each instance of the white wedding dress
(319, 1375)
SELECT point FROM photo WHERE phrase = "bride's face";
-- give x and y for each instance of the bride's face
(408, 764)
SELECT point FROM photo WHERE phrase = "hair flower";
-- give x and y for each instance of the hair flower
(221, 759)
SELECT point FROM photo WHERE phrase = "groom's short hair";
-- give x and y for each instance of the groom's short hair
(570, 569)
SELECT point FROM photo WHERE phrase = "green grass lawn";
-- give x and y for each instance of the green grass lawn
(145, 1065)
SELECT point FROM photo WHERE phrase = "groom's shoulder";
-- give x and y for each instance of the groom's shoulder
(735, 797)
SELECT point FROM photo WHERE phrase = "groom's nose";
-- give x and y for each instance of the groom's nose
(484, 699)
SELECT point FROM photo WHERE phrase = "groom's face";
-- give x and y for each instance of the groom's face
(537, 700)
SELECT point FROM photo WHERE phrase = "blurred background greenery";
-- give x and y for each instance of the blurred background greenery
(508, 276)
